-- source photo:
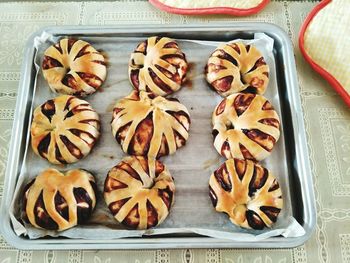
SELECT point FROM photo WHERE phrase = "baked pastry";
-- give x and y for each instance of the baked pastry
(237, 67)
(74, 67)
(247, 192)
(64, 129)
(57, 201)
(150, 126)
(157, 65)
(245, 126)
(139, 192)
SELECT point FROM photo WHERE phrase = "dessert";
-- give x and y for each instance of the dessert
(245, 126)
(158, 65)
(74, 67)
(237, 67)
(139, 192)
(57, 201)
(247, 192)
(64, 129)
(149, 125)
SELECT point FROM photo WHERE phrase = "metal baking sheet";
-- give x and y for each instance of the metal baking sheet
(289, 106)
(189, 168)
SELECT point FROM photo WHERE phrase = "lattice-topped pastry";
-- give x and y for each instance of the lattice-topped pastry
(247, 192)
(74, 67)
(245, 126)
(139, 192)
(237, 67)
(64, 129)
(57, 201)
(150, 126)
(158, 65)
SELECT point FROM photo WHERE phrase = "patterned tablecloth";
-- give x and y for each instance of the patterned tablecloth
(326, 118)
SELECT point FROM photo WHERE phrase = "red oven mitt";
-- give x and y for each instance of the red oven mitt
(206, 7)
(324, 41)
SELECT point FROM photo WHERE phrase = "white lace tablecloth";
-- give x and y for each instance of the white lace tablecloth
(326, 118)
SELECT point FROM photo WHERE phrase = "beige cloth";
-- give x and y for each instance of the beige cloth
(326, 117)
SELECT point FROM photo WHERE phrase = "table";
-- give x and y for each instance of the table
(326, 117)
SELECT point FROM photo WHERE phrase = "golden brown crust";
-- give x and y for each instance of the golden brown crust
(57, 201)
(150, 126)
(64, 129)
(247, 192)
(139, 192)
(74, 67)
(245, 126)
(157, 65)
(236, 67)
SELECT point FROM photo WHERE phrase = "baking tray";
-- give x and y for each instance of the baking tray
(300, 178)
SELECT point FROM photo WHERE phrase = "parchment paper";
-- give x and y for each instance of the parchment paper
(190, 166)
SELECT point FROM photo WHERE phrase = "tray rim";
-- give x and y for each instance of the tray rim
(301, 149)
